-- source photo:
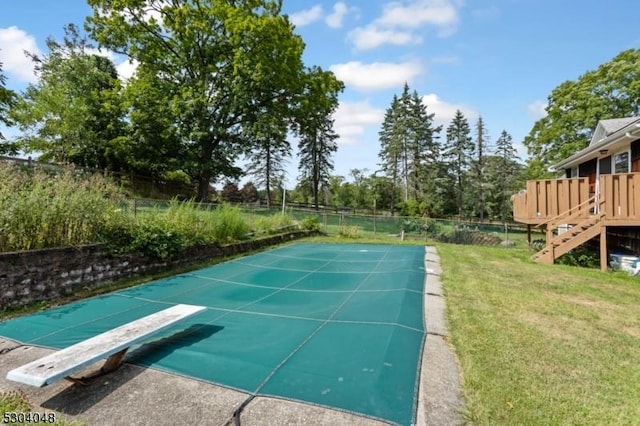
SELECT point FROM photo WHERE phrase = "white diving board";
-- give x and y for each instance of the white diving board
(112, 344)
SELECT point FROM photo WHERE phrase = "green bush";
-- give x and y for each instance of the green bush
(351, 232)
(310, 223)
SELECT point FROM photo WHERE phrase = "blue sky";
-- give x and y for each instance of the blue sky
(496, 58)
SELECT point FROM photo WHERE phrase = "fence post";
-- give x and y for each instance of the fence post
(374, 216)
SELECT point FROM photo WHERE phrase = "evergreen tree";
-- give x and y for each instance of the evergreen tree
(316, 150)
(458, 151)
(391, 149)
(314, 128)
(269, 152)
(477, 201)
(504, 175)
(424, 153)
(409, 147)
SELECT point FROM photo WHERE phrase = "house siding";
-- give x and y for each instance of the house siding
(605, 165)
(635, 156)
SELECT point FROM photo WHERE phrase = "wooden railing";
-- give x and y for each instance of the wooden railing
(568, 200)
(546, 199)
(621, 195)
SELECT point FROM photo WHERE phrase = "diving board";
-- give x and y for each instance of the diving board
(112, 344)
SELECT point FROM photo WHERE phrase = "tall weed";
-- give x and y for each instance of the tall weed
(39, 209)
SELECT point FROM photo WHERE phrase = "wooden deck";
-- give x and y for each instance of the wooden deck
(544, 200)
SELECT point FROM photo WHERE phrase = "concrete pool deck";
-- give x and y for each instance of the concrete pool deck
(141, 396)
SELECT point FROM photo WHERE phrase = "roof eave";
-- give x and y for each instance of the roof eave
(628, 132)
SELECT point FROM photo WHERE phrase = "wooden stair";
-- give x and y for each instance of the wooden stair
(587, 219)
(572, 238)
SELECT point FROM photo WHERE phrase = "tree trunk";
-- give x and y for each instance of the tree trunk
(268, 176)
(204, 178)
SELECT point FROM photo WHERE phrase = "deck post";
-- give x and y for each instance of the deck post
(529, 234)
(603, 249)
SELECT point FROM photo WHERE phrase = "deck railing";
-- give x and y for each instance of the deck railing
(546, 199)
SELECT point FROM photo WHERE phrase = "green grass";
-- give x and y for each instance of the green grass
(542, 344)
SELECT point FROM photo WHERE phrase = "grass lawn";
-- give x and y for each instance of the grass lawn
(542, 344)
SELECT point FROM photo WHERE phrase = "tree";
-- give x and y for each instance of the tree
(575, 107)
(249, 193)
(391, 148)
(457, 155)
(7, 99)
(73, 113)
(269, 151)
(314, 127)
(477, 200)
(409, 146)
(230, 192)
(503, 176)
(221, 63)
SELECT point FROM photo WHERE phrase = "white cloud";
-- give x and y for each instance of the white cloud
(377, 75)
(440, 13)
(400, 20)
(537, 109)
(353, 118)
(444, 111)
(334, 20)
(372, 36)
(126, 69)
(306, 17)
(13, 43)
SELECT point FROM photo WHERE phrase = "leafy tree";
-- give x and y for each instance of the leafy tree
(152, 144)
(575, 107)
(230, 192)
(7, 99)
(314, 127)
(73, 113)
(249, 193)
(269, 151)
(457, 154)
(221, 63)
(503, 176)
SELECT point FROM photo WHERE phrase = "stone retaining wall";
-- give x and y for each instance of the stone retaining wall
(38, 275)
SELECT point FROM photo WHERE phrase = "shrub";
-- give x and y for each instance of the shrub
(310, 223)
(351, 232)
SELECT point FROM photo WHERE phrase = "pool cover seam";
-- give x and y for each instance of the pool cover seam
(224, 281)
(326, 272)
(236, 414)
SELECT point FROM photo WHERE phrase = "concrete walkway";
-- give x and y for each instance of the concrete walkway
(143, 396)
(440, 401)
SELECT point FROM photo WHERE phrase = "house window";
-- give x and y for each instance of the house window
(574, 172)
(621, 162)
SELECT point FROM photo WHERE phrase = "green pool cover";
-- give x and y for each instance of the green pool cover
(330, 324)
